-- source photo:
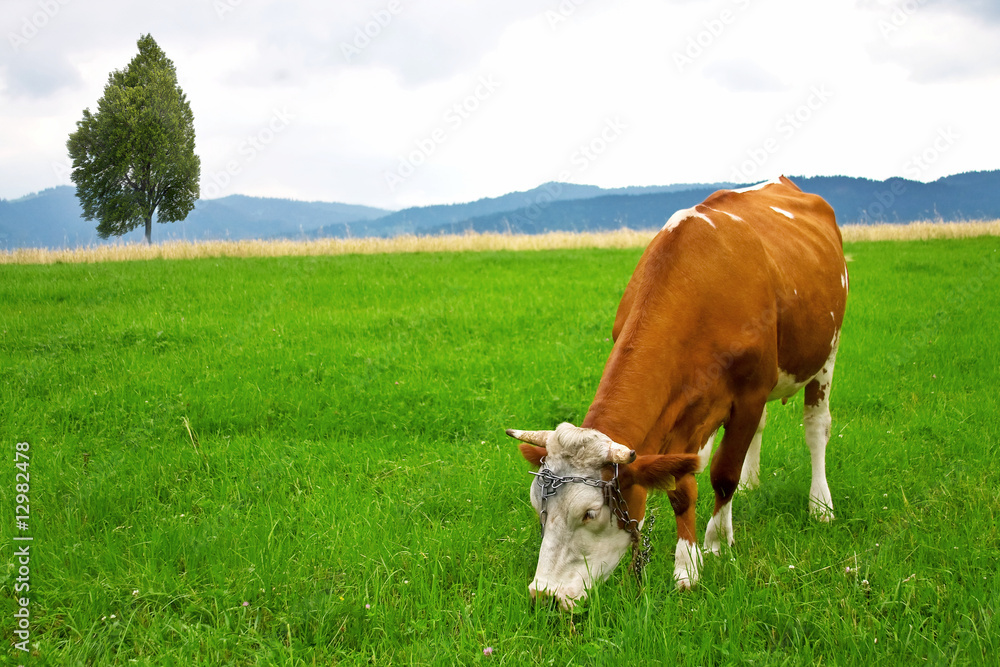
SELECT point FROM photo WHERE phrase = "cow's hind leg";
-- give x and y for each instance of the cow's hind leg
(727, 466)
(816, 419)
(750, 477)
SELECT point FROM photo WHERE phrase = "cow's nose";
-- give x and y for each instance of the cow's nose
(538, 593)
(541, 595)
(533, 592)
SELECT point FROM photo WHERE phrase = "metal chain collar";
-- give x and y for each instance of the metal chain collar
(550, 483)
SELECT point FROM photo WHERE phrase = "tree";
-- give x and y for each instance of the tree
(134, 158)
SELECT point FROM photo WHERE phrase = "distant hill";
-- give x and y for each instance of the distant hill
(51, 218)
(971, 196)
(440, 218)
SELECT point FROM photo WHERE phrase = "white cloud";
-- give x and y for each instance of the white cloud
(693, 90)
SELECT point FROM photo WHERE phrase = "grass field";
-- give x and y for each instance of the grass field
(301, 460)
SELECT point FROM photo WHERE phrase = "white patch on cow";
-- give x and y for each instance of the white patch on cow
(731, 215)
(687, 563)
(682, 215)
(720, 528)
(750, 475)
(783, 212)
(759, 186)
(787, 386)
(705, 453)
(832, 316)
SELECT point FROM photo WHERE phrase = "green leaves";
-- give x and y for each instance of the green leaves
(134, 158)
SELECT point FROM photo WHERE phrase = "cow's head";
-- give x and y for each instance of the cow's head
(582, 537)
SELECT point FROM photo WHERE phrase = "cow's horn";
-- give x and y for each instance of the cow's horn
(620, 454)
(540, 438)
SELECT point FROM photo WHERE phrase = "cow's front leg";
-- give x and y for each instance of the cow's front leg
(687, 556)
(745, 421)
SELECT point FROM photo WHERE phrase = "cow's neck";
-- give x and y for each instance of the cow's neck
(627, 407)
(655, 405)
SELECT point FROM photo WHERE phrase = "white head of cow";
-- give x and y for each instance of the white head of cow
(582, 538)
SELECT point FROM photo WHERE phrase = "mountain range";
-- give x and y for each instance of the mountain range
(52, 218)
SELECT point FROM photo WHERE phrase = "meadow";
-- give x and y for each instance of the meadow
(302, 460)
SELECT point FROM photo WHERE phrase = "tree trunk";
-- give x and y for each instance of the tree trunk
(149, 229)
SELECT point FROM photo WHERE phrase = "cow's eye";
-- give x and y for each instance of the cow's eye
(589, 515)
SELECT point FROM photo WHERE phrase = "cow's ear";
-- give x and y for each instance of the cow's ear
(660, 471)
(532, 454)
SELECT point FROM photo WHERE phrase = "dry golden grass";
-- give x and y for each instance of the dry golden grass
(623, 238)
(921, 231)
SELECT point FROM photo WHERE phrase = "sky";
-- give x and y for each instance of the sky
(396, 103)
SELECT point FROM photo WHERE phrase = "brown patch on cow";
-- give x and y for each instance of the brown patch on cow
(815, 393)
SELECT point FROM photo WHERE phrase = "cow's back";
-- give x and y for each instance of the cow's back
(799, 233)
(748, 283)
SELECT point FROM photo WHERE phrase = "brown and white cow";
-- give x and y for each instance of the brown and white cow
(736, 302)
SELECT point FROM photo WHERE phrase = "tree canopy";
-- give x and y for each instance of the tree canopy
(134, 158)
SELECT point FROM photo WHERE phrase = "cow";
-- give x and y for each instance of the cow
(736, 302)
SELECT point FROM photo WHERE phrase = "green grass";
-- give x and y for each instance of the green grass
(346, 493)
